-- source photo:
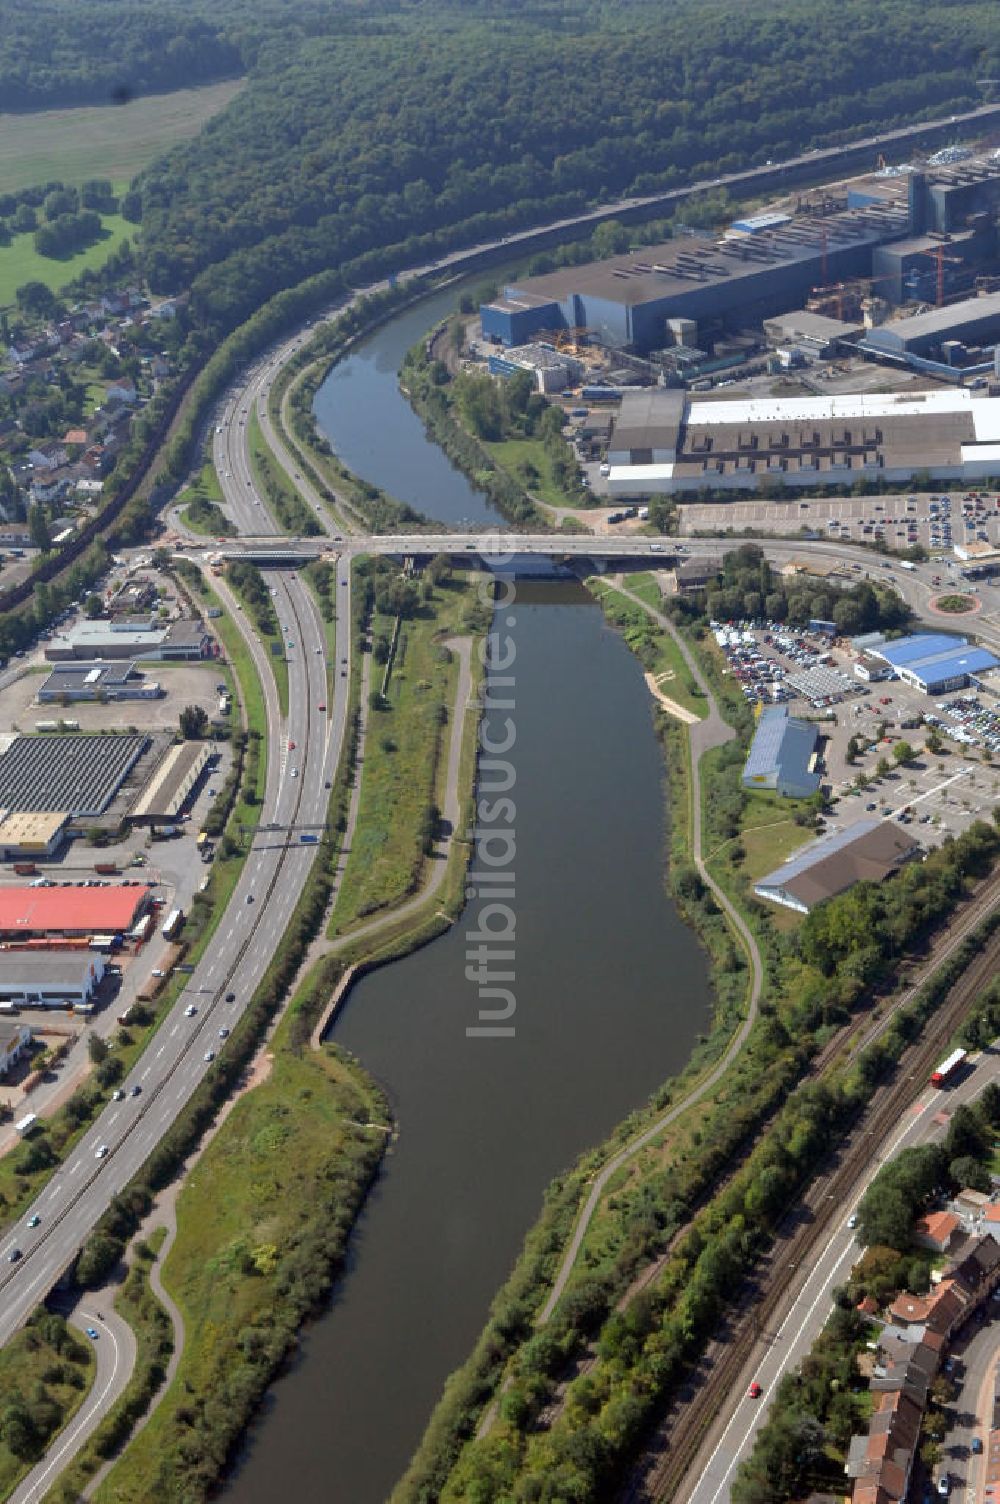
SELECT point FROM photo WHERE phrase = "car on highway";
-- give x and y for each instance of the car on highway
(223, 1032)
(14, 1255)
(295, 772)
(34, 1221)
(291, 746)
(157, 971)
(328, 784)
(944, 1486)
(249, 898)
(852, 1221)
(321, 705)
(755, 1391)
(209, 1056)
(91, 1333)
(136, 1090)
(190, 1011)
(118, 1096)
(230, 997)
(101, 1152)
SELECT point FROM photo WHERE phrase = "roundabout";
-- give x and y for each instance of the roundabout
(955, 603)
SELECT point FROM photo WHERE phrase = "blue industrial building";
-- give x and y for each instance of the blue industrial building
(781, 755)
(648, 298)
(935, 662)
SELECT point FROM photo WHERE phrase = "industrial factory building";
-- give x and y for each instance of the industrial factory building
(172, 784)
(935, 662)
(49, 979)
(34, 835)
(866, 851)
(911, 234)
(101, 640)
(33, 913)
(782, 755)
(665, 441)
(86, 680)
(972, 321)
(633, 299)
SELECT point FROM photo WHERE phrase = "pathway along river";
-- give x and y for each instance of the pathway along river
(611, 991)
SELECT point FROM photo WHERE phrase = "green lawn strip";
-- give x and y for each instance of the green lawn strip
(237, 648)
(46, 1372)
(656, 649)
(270, 479)
(103, 141)
(154, 1343)
(529, 463)
(405, 758)
(317, 463)
(263, 1221)
(645, 587)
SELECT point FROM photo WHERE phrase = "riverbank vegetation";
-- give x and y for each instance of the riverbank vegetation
(685, 1220)
(655, 649)
(414, 677)
(46, 1371)
(435, 400)
(263, 1222)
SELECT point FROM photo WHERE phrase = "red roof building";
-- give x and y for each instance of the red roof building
(27, 911)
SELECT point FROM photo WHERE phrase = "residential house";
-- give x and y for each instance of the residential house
(48, 485)
(122, 390)
(971, 1203)
(47, 459)
(938, 1231)
(75, 436)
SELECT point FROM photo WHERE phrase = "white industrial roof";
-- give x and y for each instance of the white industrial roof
(864, 405)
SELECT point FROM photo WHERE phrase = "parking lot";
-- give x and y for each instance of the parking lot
(937, 522)
(941, 792)
(183, 683)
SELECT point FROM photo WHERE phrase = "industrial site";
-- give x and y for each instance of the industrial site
(101, 805)
(859, 322)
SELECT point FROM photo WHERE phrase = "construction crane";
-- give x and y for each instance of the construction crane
(937, 252)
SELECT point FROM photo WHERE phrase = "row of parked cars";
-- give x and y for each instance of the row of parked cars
(969, 720)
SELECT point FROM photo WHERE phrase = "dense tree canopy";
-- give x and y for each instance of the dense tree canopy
(373, 126)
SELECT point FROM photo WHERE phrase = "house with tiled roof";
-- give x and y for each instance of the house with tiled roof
(937, 1231)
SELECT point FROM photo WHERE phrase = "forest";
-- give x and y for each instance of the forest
(428, 125)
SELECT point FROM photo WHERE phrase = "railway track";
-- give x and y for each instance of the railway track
(678, 1438)
(982, 902)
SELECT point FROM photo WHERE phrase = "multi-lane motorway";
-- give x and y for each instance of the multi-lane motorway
(297, 793)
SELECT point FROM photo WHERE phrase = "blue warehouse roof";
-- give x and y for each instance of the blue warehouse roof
(943, 666)
(784, 744)
(909, 650)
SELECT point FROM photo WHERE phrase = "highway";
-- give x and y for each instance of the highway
(813, 1303)
(297, 792)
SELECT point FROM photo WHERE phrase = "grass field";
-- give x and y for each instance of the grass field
(656, 650)
(404, 760)
(20, 262)
(530, 464)
(245, 1226)
(113, 141)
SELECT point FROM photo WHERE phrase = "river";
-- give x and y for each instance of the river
(352, 408)
(611, 990)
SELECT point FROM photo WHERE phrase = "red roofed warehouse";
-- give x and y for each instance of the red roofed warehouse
(27, 912)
